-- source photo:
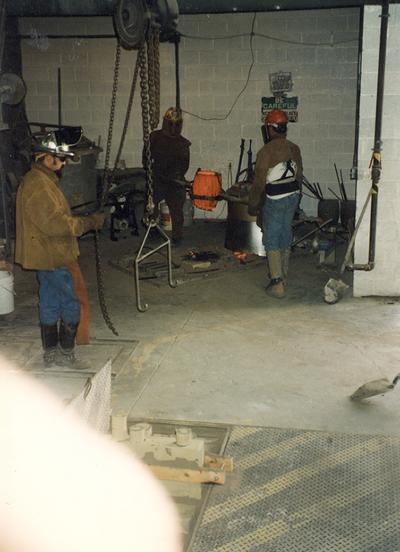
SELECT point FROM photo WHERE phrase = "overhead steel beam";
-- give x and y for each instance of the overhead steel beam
(47, 8)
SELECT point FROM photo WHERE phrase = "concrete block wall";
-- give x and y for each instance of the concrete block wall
(383, 280)
(320, 51)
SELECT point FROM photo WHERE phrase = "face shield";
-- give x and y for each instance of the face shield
(58, 142)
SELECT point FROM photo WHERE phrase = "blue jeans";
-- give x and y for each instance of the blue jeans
(278, 216)
(57, 297)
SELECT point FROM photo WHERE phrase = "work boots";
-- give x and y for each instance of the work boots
(276, 287)
(66, 355)
(49, 336)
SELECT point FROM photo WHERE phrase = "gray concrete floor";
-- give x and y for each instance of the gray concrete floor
(218, 349)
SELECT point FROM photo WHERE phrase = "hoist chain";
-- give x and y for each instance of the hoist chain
(108, 174)
(156, 47)
(104, 192)
(128, 113)
(154, 76)
(100, 286)
(150, 102)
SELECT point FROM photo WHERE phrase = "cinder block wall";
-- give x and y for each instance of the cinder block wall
(384, 279)
(213, 72)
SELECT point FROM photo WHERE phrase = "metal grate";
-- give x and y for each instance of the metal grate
(303, 491)
(93, 403)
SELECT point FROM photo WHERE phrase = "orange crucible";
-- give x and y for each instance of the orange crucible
(206, 188)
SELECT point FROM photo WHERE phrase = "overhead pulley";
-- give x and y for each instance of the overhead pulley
(132, 19)
(12, 89)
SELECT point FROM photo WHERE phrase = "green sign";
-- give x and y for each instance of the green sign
(286, 104)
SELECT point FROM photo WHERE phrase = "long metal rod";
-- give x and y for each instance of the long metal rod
(358, 99)
(3, 17)
(349, 250)
(3, 184)
(177, 78)
(3, 177)
(139, 258)
(312, 232)
(59, 96)
(376, 162)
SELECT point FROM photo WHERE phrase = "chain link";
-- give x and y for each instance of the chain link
(144, 94)
(156, 56)
(100, 286)
(150, 73)
(153, 54)
(128, 112)
(150, 101)
(106, 173)
(104, 192)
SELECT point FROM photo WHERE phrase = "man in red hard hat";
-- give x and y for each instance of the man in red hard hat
(275, 195)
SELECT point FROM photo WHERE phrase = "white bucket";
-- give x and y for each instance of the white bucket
(165, 216)
(6, 292)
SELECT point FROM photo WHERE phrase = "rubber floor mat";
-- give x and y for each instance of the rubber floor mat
(304, 491)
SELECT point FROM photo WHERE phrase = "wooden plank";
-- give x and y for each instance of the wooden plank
(215, 461)
(188, 475)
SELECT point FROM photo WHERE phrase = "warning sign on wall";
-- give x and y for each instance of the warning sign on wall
(289, 105)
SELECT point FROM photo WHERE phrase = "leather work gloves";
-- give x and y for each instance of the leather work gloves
(96, 220)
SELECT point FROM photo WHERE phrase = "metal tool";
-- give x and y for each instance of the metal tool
(335, 288)
(375, 387)
(334, 193)
(250, 172)
(240, 160)
(140, 257)
(311, 233)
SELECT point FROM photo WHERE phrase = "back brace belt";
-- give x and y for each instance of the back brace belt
(283, 188)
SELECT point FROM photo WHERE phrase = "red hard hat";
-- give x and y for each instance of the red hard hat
(276, 117)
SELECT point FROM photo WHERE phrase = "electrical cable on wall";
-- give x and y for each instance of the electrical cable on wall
(274, 38)
(252, 34)
(223, 118)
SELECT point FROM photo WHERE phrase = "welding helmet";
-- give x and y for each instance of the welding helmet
(172, 121)
(278, 120)
(58, 142)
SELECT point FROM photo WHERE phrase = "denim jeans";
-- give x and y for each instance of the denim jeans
(278, 216)
(57, 297)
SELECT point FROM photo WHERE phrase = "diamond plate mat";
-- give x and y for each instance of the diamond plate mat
(303, 491)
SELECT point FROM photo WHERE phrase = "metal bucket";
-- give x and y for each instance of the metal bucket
(242, 232)
(79, 177)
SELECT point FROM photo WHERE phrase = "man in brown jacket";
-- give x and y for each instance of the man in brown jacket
(275, 195)
(171, 157)
(46, 241)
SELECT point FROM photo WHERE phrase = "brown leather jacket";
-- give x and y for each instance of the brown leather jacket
(277, 150)
(45, 229)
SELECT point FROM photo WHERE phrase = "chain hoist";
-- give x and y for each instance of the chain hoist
(138, 25)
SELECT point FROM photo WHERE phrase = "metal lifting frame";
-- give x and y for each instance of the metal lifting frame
(139, 258)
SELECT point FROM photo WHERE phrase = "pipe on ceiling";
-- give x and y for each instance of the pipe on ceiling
(49, 8)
